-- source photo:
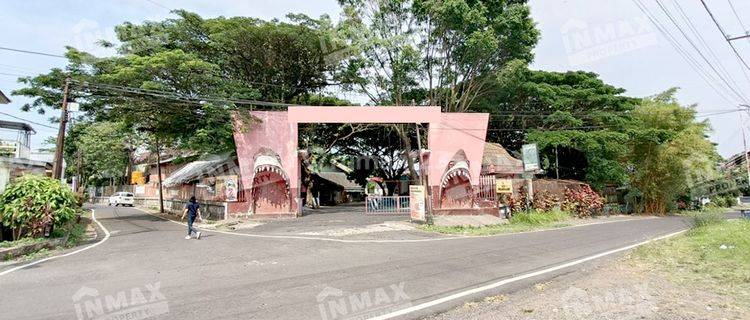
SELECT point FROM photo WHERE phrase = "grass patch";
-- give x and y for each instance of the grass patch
(76, 235)
(706, 210)
(520, 222)
(714, 255)
(537, 218)
(21, 242)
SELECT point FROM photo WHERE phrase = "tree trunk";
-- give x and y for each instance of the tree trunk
(655, 207)
(310, 198)
(401, 131)
(158, 173)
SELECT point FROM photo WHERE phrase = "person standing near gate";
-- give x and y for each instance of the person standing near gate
(192, 209)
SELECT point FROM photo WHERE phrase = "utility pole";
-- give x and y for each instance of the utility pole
(57, 166)
(419, 154)
(79, 166)
(744, 144)
(557, 165)
(158, 173)
(423, 178)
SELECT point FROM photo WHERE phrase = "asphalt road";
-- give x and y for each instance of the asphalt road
(147, 270)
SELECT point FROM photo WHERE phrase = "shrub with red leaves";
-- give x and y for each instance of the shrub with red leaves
(545, 201)
(583, 202)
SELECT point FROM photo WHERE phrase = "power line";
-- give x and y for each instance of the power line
(29, 121)
(8, 66)
(11, 74)
(159, 5)
(700, 53)
(736, 15)
(33, 52)
(705, 44)
(724, 34)
(680, 50)
(177, 96)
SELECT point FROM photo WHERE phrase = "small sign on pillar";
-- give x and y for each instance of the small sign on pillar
(503, 186)
(417, 203)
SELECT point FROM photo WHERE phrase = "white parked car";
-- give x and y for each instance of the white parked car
(121, 198)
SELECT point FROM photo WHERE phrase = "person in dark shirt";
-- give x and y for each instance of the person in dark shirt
(192, 210)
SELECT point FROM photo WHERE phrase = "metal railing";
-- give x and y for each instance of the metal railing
(485, 191)
(387, 205)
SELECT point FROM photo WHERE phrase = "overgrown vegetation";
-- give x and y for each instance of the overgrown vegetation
(582, 201)
(713, 255)
(669, 152)
(540, 218)
(32, 203)
(520, 222)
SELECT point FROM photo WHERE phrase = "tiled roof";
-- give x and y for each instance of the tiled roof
(497, 160)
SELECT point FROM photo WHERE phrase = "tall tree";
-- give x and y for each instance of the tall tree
(266, 60)
(436, 52)
(669, 151)
(468, 41)
(101, 153)
(578, 121)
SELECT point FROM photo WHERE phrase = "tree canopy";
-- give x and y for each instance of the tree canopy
(669, 152)
(578, 121)
(434, 52)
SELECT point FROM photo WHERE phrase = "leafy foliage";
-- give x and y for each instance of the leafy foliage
(583, 201)
(669, 152)
(32, 202)
(435, 52)
(104, 149)
(268, 60)
(540, 217)
(545, 201)
(172, 77)
(572, 116)
(580, 201)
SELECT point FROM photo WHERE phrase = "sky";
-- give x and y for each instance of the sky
(613, 38)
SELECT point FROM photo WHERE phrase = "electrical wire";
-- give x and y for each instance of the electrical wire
(159, 5)
(12, 74)
(700, 53)
(702, 40)
(33, 52)
(724, 34)
(736, 15)
(681, 51)
(29, 121)
(177, 96)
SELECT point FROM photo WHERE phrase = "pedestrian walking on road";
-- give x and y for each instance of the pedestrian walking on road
(192, 209)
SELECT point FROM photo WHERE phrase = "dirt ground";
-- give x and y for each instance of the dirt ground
(618, 289)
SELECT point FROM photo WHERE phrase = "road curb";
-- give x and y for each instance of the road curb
(93, 217)
(453, 237)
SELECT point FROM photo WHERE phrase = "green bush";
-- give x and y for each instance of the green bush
(724, 201)
(33, 202)
(707, 218)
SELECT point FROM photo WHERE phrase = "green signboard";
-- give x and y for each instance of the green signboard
(530, 157)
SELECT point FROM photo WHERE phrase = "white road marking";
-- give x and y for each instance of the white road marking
(93, 217)
(503, 282)
(453, 237)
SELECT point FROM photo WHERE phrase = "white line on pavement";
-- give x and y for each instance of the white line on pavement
(455, 237)
(514, 279)
(93, 217)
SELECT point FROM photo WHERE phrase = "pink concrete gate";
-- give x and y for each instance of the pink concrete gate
(268, 155)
